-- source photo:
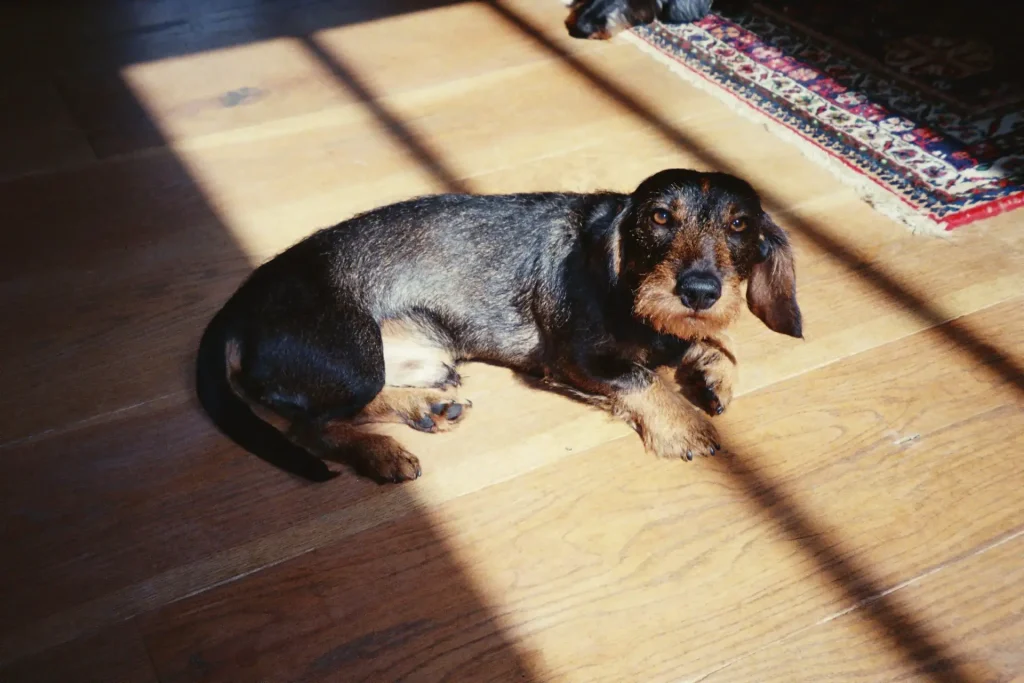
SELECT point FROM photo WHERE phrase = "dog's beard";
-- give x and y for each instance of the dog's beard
(657, 303)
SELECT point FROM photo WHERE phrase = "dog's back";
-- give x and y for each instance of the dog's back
(397, 297)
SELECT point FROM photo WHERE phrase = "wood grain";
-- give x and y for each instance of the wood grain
(681, 546)
(115, 654)
(156, 151)
(975, 603)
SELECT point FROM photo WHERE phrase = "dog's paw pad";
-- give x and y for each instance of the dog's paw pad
(441, 416)
(451, 412)
(425, 424)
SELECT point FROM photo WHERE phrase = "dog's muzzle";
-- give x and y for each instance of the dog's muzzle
(699, 290)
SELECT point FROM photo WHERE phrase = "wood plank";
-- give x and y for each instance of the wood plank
(401, 587)
(138, 236)
(975, 605)
(188, 258)
(793, 526)
(115, 655)
(201, 75)
(109, 277)
(39, 133)
(156, 505)
(542, 543)
(178, 438)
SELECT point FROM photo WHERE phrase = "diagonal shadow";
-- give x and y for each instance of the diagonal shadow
(992, 357)
(420, 149)
(907, 635)
(121, 526)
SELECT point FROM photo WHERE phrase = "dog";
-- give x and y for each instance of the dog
(602, 19)
(604, 295)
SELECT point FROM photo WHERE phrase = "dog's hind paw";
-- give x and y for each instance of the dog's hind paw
(439, 414)
(382, 459)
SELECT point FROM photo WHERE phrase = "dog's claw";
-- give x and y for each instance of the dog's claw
(712, 450)
(689, 456)
(712, 402)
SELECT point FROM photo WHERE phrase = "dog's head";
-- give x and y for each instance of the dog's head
(687, 241)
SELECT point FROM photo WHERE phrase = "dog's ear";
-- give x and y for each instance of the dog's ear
(601, 230)
(771, 289)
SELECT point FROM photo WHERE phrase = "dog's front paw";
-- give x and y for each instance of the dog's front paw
(681, 436)
(718, 387)
(668, 424)
(708, 376)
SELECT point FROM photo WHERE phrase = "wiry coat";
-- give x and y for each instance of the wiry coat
(367, 320)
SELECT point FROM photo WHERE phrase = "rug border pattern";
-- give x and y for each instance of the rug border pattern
(892, 190)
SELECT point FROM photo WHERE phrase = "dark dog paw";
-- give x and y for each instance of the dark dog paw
(382, 459)
(602, 19)
(441, 415)
(684, 11)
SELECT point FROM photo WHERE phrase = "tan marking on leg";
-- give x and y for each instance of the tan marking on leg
(428, 410)
(669, 425)
(377, 456)
(233, 361)
(279, 423)
(412, 358)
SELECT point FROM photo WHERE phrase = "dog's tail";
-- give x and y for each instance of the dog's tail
(234, 418)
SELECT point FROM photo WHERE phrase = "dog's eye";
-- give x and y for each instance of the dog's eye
(738, 224)
(660, 216)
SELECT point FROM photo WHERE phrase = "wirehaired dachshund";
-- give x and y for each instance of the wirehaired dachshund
(602, 19)
(600, 294)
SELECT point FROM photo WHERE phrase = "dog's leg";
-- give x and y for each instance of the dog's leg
(376, 456)
(314, 388)
(708, 373)
(414, 356)
(428, 410)
(669, 425)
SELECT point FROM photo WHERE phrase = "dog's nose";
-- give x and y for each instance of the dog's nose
(699, 291)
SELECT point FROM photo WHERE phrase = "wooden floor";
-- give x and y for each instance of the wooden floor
(866, 524)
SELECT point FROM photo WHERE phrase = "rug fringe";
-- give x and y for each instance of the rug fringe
(867, 190)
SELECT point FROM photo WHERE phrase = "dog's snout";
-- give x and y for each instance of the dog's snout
(699, 290)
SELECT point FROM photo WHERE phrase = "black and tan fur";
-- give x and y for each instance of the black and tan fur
(598, 293)
(602, 19)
